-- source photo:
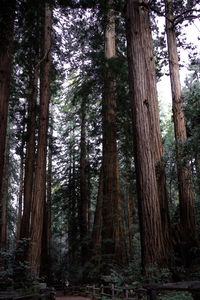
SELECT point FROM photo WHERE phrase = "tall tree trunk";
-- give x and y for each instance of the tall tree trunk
(187, 211)
(113, 227)
(46, 236)
(97, 226)
(21, 185)
(21, 180)
(152, 240)
(4, 202)
(129, 213)
(30, 153)
(83, 189)
(7, 14)
(39, 190)
(49, 183)
(157, 148)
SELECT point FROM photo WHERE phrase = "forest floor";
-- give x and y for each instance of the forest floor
(60, 296)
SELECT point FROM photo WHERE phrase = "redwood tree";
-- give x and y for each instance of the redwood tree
(139, 41)
(187, 211)
(7, 14)
(113, 228)
(39, 189)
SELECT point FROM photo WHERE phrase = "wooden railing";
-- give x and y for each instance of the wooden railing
(132, 292)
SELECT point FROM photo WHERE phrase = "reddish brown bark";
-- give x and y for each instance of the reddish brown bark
(30, 154)
(187, 211)
(113, 227)
(39, 190)
(7, 14)
(152, 241)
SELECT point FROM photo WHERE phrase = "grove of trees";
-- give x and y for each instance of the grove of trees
(95, 185)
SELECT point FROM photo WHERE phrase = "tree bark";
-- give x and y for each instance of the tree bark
(152, 240)
(7, 14)
(39, 190)
(187, 211)
(113, 227)
(129, 213)
(97, 226)
(30, 153)
(21, 185)
(83, 189)
(4, 202)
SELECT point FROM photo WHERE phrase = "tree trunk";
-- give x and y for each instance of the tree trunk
(97, 226)
(7, 14)
(19, 215)
(4, 200)
(129, 213)
(46, 236)
(187, 211)
(152, 240)
(83, 189)
(30, 153)
(113, 227)
(157, 148)
(39, 190)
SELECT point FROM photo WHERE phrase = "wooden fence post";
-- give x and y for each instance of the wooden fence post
(113, 291)
(102, 291)
(126, 292)
(93, 291)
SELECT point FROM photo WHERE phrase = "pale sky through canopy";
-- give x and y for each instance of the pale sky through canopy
(164, 89)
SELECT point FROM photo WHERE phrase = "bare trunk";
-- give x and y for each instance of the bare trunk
(21, 185)
(152, 241)
(30, 154)
(97, 227)
(46, 235)
(3, 208)
(83, 189)
(39, 190)
(129, 214)
(113, 227)
(187, 211)
(7, 13)
(157, 148)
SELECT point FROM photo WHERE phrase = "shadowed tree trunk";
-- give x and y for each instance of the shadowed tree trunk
(4, 203)
(46, 236)
(97, 226)
(129, 212)
(113, 227)
(30, 154)
(7, 14)
(21, 179)
(83, 189)
(39, 189)
(152, 240)
(187, 211)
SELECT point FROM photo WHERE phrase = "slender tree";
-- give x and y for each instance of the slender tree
(187, 211)
(39, 190)
(30, 152)
(7, 14)
(152, 240)
(83, 188)
(113, 228)
(4, 205)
